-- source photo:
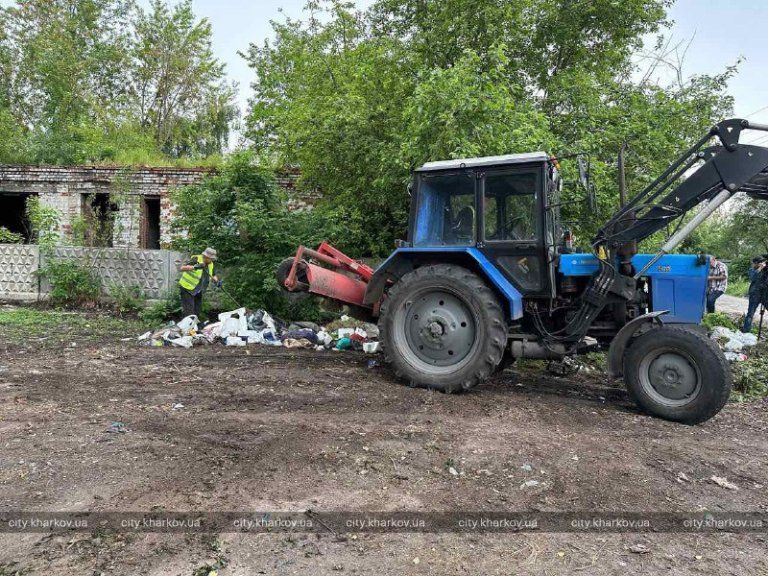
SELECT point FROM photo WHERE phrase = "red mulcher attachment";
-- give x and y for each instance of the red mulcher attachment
(346, 282)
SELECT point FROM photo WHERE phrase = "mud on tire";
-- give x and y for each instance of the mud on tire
(678, 374)
(442, 328)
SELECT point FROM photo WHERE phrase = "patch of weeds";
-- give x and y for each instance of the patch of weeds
(719, 319)
(127, 299)
(750, 378)
(71, 284)
(56, 326)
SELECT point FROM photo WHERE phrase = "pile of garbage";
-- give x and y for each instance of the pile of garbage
(242, 328)
(733, 343)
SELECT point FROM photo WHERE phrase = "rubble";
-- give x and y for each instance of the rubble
(242, 327)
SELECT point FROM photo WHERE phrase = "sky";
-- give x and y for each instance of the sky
(722, 32)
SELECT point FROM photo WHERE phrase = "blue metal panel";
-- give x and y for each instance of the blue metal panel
(513, 296)
(678, 282)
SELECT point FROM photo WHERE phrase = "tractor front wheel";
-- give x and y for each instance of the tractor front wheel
(442, 328)
(677, 374)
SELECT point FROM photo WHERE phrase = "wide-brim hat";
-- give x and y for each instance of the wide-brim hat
(210, 253)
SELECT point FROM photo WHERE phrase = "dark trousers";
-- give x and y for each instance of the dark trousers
(754, 304)
(711, 298)
(191, 303)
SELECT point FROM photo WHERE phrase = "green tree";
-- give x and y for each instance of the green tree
(357, 99)
(241, 212)
(102, 80)
(182, 95)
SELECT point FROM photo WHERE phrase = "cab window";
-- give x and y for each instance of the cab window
(446, 210)
(509, 206)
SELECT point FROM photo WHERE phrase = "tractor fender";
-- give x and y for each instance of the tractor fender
(404, 260)
(624, 336)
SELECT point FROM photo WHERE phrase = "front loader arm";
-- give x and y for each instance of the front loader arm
(722, 172)
(732, 167)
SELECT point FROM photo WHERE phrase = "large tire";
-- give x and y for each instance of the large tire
(678, 374)
(442, 328)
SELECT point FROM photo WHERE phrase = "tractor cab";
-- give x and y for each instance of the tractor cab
(497, 205)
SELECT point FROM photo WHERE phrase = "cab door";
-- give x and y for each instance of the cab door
(511, 222)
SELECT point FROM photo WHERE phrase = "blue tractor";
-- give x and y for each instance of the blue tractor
(488, 274)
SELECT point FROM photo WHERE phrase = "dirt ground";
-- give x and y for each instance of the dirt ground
(271, 429)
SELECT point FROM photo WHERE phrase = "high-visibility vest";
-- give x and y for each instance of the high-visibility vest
(189, 280)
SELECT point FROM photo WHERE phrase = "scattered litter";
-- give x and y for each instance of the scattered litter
(343, 343)
(242, 327)
(720, 481)
(373, 363)
(234, 341)
(682, 477)
(117, 428)
(639, 549)
(453, 471)
(188, 324)
(733, 342)
(184, 342)
(527, 467)
(345, 332)
(178, 406)
(529, 484)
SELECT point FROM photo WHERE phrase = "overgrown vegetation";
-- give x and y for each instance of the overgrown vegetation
(750, 378)
(110, 81)
(358, 98)
(126, 299)
(8, 237)
(71, 284)
(242, 213)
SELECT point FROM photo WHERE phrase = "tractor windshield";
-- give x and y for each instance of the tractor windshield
(446, 210)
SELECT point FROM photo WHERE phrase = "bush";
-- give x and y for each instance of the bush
(750, 378)
(241, 213)
(8, 237)
(127, 299)
(719, 319)
(163, 310)
(71, 284)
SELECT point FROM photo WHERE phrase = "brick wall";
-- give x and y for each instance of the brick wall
(65, 187)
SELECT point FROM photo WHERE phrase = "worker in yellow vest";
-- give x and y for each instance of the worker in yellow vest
(197, 273)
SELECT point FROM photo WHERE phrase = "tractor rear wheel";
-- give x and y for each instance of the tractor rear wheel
(678, 374)
(442, 328)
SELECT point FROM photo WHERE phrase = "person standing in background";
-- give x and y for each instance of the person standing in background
(756, 289)
(717, 283)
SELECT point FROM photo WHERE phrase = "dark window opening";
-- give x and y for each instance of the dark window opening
(13, 214)
(99, 215)
(150, 233)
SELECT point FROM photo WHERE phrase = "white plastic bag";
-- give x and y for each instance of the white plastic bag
(234, 341)
(184, 342)
(232, 322)
(188, 323)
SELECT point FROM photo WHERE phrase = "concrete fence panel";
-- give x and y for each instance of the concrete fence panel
(18, 271)
(153, 271)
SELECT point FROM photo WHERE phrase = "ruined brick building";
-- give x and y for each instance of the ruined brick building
(92, 192)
